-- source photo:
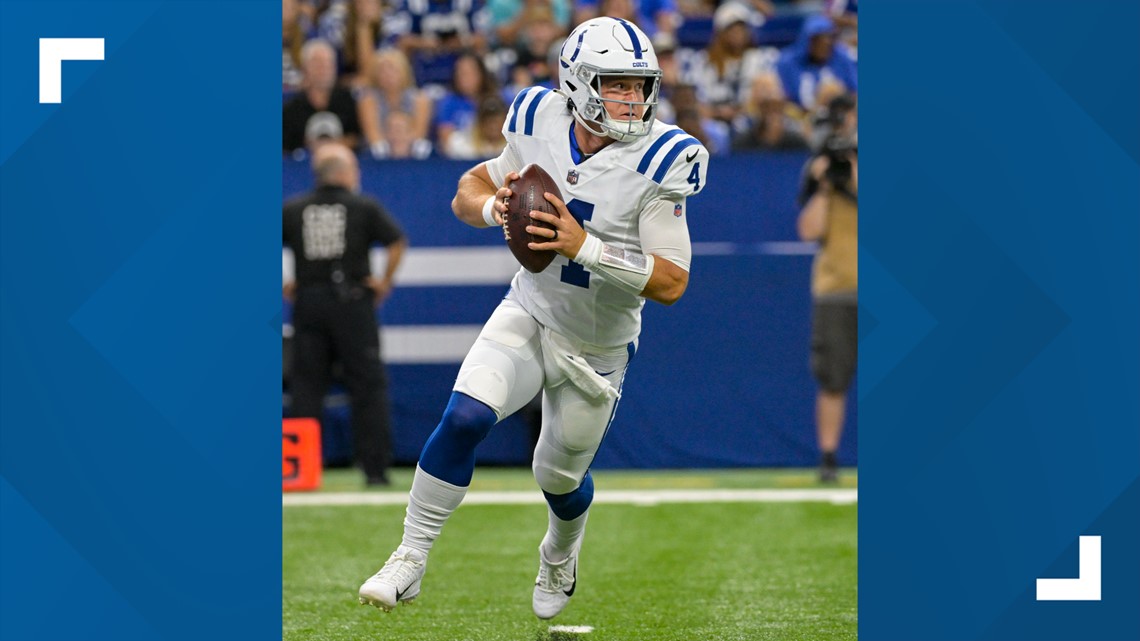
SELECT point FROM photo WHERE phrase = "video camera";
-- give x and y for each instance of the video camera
(838, 149)
(839, 144)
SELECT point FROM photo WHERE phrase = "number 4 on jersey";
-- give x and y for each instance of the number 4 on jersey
(694, 178)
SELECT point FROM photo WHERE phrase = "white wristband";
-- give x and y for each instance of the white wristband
(489, 212)
(590, 252)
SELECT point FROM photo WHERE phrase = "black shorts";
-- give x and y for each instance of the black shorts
(834, 343)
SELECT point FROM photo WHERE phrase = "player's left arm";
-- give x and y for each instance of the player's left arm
(663, 225)
(665, 238)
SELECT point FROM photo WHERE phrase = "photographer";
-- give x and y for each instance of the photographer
(829, 198)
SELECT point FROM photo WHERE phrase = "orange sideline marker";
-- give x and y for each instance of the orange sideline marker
(300, 454)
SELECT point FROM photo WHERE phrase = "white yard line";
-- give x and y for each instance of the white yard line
(572, 629)
(629, 497)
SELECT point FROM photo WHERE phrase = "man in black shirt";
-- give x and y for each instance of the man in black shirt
(320, 94)
(330, 231)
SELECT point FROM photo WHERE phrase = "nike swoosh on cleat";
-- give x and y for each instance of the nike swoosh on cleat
(569, 593)
(690, 157)
(400, 594)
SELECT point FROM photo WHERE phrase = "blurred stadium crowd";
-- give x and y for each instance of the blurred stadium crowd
(433, 78)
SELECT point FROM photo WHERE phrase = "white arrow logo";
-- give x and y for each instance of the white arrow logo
(53, 51)
(1086, 587)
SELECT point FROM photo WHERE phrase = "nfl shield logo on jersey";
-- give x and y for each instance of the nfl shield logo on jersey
(572, 177)
(677, 210)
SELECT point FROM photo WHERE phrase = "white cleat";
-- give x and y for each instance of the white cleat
(555, 584)
(397, 582)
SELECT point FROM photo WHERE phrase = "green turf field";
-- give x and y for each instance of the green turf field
(683, 572)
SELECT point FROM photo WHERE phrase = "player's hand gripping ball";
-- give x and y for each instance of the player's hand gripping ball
(526, 196)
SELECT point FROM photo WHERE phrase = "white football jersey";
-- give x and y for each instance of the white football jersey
(606, 194)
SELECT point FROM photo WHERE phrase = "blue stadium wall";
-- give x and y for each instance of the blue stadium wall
(720, 379)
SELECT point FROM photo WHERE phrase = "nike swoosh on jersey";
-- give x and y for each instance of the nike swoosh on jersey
(690, 157)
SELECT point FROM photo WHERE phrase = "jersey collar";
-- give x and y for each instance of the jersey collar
(575, 152)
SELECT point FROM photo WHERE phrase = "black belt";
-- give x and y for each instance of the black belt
(344, 291)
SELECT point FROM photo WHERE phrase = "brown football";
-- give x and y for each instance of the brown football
(526, 196)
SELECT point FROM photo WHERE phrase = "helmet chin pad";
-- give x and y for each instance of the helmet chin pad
(619, 129)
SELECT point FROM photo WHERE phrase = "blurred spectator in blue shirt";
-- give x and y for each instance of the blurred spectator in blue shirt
(652, 16)
(352, 27)
(433, 32)
(519, 77)
(442, 24)
(815, 59)
(483, 138)
(470, 84)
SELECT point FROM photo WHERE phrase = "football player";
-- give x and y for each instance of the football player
(570, 330)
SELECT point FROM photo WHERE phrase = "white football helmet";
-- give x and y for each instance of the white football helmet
(608, 47)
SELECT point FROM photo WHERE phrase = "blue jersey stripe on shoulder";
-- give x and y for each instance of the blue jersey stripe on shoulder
(663, 168)
(515, 109)
(643, 166)
(529, 130)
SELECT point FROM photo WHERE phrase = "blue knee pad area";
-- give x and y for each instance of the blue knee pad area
(449, 454)
(574, 504)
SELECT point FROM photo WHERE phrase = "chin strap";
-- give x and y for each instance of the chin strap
(587, 125)
(606, 132)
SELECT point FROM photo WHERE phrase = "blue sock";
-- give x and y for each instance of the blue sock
(449, 454)
(573, 504)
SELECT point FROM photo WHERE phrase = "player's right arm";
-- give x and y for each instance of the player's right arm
(473, 203)
(479, 200)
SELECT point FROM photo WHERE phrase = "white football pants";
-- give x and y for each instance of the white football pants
(505, 369)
